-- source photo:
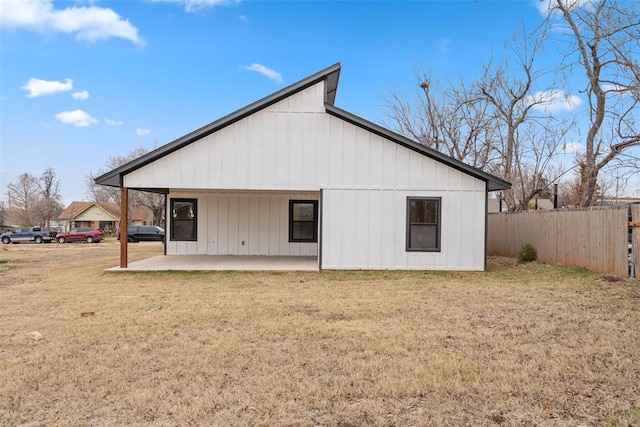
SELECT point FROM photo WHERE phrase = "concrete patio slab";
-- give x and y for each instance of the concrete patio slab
(222, 263)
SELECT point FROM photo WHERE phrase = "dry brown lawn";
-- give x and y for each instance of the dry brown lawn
(519, 345)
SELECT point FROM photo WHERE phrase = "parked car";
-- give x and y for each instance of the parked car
(27, 234)
(144, 233)
(89, 235)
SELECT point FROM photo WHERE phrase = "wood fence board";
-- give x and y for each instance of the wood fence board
(596, 239)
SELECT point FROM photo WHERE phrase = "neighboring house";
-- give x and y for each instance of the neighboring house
(292, 174)
(105, 216)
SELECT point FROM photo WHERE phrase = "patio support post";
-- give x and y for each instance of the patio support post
(124, 223)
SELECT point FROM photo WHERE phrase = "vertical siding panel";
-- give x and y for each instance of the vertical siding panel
(348, 228)
(327, 229)
(263, 224)
(188, 172)
(255, 151)
(323, 149)
(295, 102)
(374, 232)
(274, 225)
(228, 157)
(336, 249)
(243, 224)
(270, 156)
(241, 148)
(285, 247)
(234, 216)
(200, 164)
(223, 224)
(214, 155)
(212, 219)
(361, 239)
(440, 173)
(452, 224)
(309, 174)
(415, 170)
(296, 151)
(399, 224)
(336, 138)
(402, 173)
(375, 162)
(389, 165)
(390, 228)
(282, 149)
(349, 157)
(363, 149)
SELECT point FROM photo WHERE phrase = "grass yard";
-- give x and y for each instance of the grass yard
(519, 345)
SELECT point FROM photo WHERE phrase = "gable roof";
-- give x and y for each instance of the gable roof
(330, 75)
(76, 208)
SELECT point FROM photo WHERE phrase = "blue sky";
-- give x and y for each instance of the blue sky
(81, 81)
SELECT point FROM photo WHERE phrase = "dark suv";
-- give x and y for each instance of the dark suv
(144, 233)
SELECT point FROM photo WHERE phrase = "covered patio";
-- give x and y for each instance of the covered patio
(222, 263)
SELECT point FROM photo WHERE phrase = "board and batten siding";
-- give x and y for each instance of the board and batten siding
(294, 145)
(242, 223)
(366, 229)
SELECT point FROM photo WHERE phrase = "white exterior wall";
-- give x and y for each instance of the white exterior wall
(294, 145)
(366, 229)
(227, 219)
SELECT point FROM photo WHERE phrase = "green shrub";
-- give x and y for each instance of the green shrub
(527, 253)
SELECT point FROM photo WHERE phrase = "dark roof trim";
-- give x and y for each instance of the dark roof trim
(330, 75)
(493, 182)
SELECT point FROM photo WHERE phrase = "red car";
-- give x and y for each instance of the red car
(89, 235)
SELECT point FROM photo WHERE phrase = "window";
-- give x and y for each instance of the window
(423, 224)
(184, 219)
(303, 221)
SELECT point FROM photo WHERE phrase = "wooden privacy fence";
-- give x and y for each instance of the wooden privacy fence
(595, 238)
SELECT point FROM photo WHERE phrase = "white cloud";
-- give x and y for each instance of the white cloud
(111, 122)
(553, 101)
(142, 132)
(83, 94)
(78, 118)
(37, 87)
(86, 22)
(196, 5)
(267, 72)
(572, 148)
(546, 6)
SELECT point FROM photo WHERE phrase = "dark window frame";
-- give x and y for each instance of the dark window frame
(437, 224)
(314, 239)
(173, 219)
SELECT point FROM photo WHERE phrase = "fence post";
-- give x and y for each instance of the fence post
(635, 239)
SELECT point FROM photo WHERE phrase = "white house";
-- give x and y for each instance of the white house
(292, 174)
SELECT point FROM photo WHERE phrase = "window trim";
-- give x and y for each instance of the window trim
(438, 224)
(314, 239)
(172, 236)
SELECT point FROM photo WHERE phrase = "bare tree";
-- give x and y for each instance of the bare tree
(447, 120)
(604, 38)
(497, 123)
(23, 197)
(99, 193)
(49, 204)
